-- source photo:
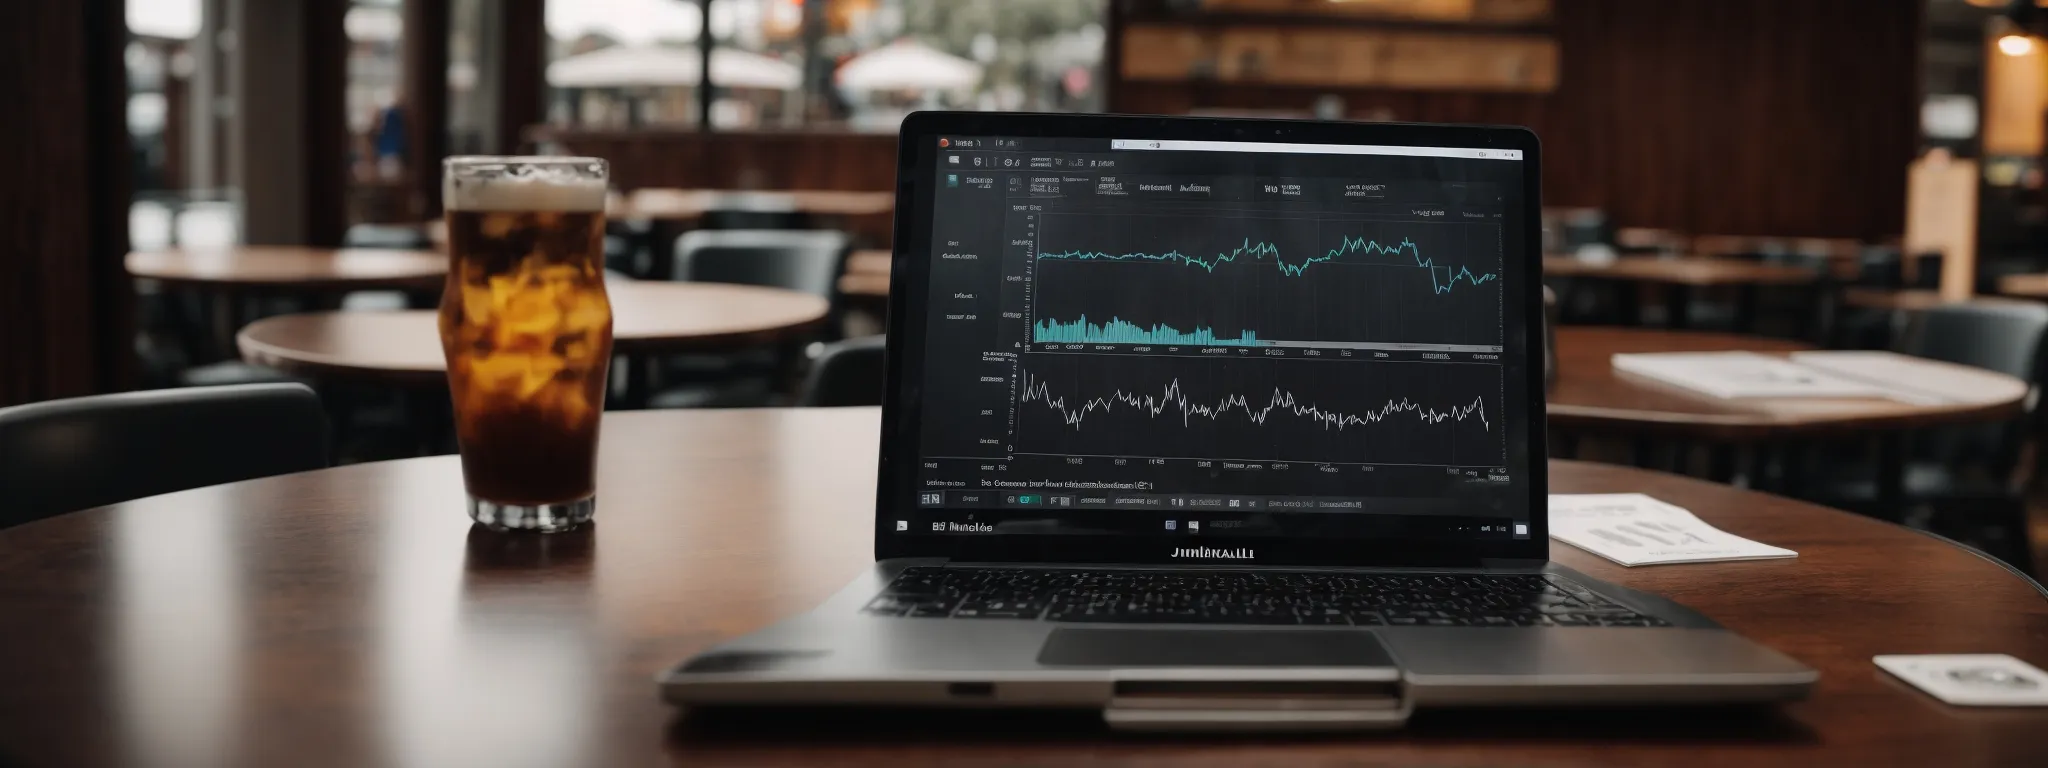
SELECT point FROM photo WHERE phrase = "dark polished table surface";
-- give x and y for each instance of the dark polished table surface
(354, 617)
(1591, 395)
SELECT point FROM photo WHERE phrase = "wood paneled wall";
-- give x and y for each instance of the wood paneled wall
(1767, 117)
(65, 308)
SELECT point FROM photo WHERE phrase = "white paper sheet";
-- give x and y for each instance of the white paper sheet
(1909, 379)
(1742, 374)
(1633, 529)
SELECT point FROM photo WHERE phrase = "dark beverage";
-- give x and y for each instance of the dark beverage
(527, 329)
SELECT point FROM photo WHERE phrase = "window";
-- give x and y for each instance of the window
(853, 63)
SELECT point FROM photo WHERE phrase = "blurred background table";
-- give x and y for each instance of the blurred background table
(867, 274)
(354, 616)
(295, 268)
(1693, 271)
(2028, 286)
(684, 204)
(404, 348)
(1591, 397)
(1591, 394)
(1912, 299)
(1679, 276)
(227, 285)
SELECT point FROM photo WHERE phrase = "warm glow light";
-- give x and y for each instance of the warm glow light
(2016, 45)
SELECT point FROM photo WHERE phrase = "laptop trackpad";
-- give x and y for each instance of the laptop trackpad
(1089, 647)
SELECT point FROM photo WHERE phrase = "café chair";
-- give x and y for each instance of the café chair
(1585, 226)
(845, 373)
(406, 236)
(1550, 322)
(799, 260)
(60, 456)
(1961, 475)
(809, 261)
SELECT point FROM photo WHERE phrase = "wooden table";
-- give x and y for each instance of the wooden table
(354, 617)
(224, 276)
(867, 274)
(689, 204)
(1915, 299)
(1679, 276)
(1591, 394)
(2029, 286)
(404, 348)
(294, 268)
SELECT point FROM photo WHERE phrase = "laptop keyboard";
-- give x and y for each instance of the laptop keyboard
(1241, 597)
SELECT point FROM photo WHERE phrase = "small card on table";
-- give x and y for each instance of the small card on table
(1633, 529)
(1972, 679)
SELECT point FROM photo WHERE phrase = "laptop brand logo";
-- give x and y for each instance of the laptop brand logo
(1207, 553)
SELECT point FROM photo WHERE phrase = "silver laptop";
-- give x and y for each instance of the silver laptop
(1214, 424)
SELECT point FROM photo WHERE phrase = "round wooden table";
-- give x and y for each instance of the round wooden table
(404, 348)
(688, 204)
(1692, 271)
(867, 274)
(354, 616)
(294, 268)
(1679, 276)
(2029, 286)
(1591, 394)
(1913, 299)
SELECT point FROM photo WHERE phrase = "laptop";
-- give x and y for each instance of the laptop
(1221, 424)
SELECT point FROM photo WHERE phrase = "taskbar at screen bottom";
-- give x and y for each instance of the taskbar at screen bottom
(1202, 522)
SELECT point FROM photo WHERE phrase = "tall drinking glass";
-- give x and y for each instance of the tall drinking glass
(527, 330)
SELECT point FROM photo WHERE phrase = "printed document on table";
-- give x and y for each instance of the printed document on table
(1730, 375)
(1633, 529)
(1909, 379)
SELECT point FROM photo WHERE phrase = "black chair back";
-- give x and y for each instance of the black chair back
(799, 260)
(65, 455)
(1583, 228)
(386, 236)
(848, 372)
(1927, 271)
(2001, 337)
(1880, 266)
(1550, 320)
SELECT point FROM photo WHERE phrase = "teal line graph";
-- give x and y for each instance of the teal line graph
(1442, 278)
(1117, 331)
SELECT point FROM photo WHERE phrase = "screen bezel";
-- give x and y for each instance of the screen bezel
(910, 277)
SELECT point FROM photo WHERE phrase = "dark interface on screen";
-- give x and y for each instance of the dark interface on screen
(1220, 339)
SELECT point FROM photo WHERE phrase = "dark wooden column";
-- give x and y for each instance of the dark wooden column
(324, 46)
(425, 98)
(66, 307)
(522, 81)
(705, 43)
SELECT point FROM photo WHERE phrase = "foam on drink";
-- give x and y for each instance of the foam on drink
(539, 190)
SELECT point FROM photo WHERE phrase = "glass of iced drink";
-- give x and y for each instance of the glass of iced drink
(527, 330)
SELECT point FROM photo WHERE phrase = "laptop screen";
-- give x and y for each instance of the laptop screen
(1220, 339)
